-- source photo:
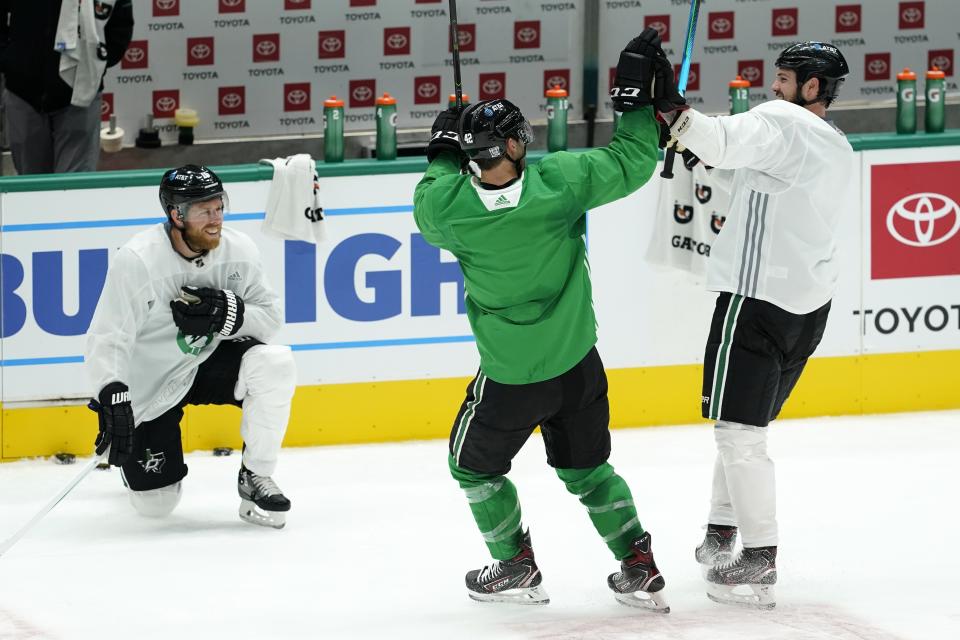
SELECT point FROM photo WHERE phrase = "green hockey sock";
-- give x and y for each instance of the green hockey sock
(496, 508)
(609, 503)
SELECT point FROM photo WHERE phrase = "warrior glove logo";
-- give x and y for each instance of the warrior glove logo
(923, 211)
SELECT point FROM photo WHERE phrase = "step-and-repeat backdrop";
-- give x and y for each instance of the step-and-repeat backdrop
(264, 67)
(878, 38)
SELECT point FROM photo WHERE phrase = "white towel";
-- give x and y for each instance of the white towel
(80, 40)
(293, 205)
(690, 212)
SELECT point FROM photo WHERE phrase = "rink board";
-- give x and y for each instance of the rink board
(375, 317)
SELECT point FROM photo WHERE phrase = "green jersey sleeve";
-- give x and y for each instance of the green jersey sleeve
(609, 173)
(428, 197)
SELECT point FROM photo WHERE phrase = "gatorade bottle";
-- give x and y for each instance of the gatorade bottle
(739, 95)
(333, 129)
(933, 120)
(557, 107)
(906, 101)
(386, 127)
(452, 100)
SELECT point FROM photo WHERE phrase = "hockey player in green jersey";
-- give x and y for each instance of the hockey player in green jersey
(518, 234)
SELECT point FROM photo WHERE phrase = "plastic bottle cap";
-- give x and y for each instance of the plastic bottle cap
(185, 117)
(739, 83)
(453, 98)
(332, 101)
(935, 73)
(386, 99)
(906, 74)
(556, 92)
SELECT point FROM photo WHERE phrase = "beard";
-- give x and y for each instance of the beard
(198, 240)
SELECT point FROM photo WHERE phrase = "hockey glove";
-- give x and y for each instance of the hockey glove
(444, 136)
(201, 311)
(667, 99)
(116, 422)
(633, 85)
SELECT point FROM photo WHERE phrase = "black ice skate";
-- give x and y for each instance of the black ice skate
(639, 583)
(261, 501)
(748, 581)
(516, 580)
(717, 547)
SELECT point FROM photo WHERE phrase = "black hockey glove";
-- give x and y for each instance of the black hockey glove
(116, 422)
(690, 160)
(203, 311)
(444, 136)
(666, 97)
(633, 85)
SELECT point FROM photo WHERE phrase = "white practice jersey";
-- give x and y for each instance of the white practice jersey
(132, 338)
(791, 171)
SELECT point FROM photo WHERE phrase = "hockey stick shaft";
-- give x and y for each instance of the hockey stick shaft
(54, 501)
(682, 79)
(455, 47)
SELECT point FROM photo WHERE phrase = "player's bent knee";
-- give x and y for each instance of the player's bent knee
(156, 503)
(267, 368)
(582, 481)
(740, 443)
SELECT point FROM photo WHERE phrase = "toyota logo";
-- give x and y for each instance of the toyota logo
(784, 22)
(135, 54)
(557, 82)
(331, 44)
(848, 18)
(104, 108)
(200, 51)
(427, 90)
(721, 25)
(165, 104)
(877, 67)
(397, 41)
(297, 96)
(165, 5)
(231, 100)
(941, 62)
(912, 15)
(924, 209)
(661, 27)
(266, 47)
(231, 3)
(362, 93)
(492, 87)
(464, 38)
(527, 34)
(749, 73)
(691, 78)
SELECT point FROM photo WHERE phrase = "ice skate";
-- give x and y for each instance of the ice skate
(261, 501)
(748, 581)
(639, 583)
(717, 547)
(516, 580)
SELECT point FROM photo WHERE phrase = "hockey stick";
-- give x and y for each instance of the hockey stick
(12, 540)
(682, 80)
(455, 46)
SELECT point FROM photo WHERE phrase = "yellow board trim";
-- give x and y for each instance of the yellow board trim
(425, 409)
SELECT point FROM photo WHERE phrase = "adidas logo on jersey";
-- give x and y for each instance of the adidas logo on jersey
(501, 201)
(235, 276)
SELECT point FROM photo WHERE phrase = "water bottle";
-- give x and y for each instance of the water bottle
(906, 101)
(333, 129)
(739, 95)
(557, 107)
(933, 120)
(386, 127)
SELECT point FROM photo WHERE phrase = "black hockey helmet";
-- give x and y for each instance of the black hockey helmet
(185, 185)
(816, 60)
(485, 127)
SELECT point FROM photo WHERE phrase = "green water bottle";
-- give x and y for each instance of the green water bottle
(739, 95)
(557, 107)
(452, 100)
(933, 120)
(386, 127)
(906, 101)
(333, 129)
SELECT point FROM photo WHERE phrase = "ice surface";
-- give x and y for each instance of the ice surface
(379, 539)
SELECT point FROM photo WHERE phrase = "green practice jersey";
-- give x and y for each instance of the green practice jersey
(522, 248)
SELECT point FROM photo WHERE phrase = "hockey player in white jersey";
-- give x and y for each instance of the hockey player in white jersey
(774, 264)
(185, 317)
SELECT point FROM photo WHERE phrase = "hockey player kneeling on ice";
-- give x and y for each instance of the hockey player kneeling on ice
(518, 234)
(185, 318)
(775, 266)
